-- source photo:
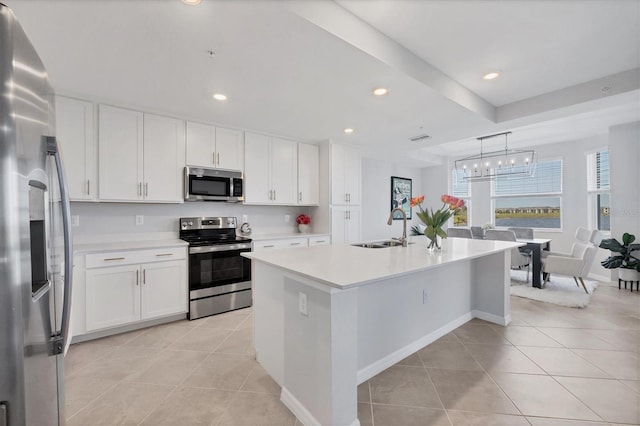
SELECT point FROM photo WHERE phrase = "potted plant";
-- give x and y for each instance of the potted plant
(303, 222)
(621, 256)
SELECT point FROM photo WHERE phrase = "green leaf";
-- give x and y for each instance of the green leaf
(628, 238)
(613, 245)
(441, 233)
(612, 262)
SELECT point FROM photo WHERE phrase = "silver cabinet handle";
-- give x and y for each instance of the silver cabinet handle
(144, 276)
(214, 158)
(113, 258)
(346, 198)
(164, 254)
(268, 246)
(321, 241)
(218, 158)
(139, 189)
(299, 196)
(137, 277)
(146, 189)
(88, 187)
(274, 195)
(294, 244)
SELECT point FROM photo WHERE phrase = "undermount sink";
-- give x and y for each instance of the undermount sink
(380, 244)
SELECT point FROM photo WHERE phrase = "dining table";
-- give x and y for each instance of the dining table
(535, 247)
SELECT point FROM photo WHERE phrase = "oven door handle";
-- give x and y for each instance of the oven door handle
(220, 248)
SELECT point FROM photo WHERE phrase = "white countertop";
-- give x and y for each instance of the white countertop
(343, 266)
(281, 236)
(127, 245)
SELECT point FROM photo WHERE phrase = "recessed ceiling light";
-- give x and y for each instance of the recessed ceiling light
(191, 2)
(348, 130)
(380, 91)
(491, 75)
(220, 97)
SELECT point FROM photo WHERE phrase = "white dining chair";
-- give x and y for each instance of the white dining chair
(576, 265)
(518, 259)
(523, 233)
(477, 232)
(459, 233)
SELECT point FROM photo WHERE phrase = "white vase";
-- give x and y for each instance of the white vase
(626, 274)
(304, 229)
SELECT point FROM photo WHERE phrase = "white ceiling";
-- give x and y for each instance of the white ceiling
(305, 69)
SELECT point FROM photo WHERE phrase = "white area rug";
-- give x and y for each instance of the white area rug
(560, 290)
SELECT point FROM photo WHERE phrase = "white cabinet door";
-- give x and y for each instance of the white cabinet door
(75, 132)
(345, 175)
(163, 158)
(345, 225)
(112, 296)
(229, 149)
(257, 182)
(120, 133)
(200, 145)
(308, 174)
(284, 171)
(352, 175)
(164, 289)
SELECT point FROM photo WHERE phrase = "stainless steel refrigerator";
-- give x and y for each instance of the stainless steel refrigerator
(35, 238)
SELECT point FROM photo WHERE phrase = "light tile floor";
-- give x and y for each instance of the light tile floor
(551, 366)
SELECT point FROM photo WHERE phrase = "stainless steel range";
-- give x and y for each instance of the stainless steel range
(219, 278)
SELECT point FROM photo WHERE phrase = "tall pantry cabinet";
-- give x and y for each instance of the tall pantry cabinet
(346, 165)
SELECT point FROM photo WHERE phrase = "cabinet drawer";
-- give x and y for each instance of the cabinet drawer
(319, 240)
(129, 257)
(279, 244)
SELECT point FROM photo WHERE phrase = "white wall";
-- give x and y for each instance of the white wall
(624, 160)
(376, 197)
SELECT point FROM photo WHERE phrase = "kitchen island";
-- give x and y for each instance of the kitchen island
(327, 318)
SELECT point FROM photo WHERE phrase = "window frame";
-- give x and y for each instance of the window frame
(466, 198)
(593, 193)
(553, 194)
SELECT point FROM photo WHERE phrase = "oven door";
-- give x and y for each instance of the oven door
(217, 272)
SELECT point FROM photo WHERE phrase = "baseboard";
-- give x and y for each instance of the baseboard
(393, 358)
(126, 328)
(600, 278)
(492, 318)
(300, 411)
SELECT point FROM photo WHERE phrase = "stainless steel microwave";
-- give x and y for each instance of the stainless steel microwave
(202, 184)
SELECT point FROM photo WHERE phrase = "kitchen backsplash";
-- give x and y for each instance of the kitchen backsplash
(120, 218)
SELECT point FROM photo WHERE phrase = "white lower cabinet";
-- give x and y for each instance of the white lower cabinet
(140, 285)
(345, 225)
(281, 243)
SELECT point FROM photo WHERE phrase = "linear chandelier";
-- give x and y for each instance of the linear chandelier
(488, 165)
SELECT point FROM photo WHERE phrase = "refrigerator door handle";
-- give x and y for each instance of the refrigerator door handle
(61, 339)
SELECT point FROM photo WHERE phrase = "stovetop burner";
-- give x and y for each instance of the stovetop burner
(209, 231)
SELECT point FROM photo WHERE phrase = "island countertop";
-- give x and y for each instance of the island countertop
(344, 266)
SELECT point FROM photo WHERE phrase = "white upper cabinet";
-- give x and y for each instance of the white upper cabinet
(209, 146)
(308, 174)
(141, 156)
(270, 170)
(163, 159)
(229, 149)
(345, 175)
(75, 132)
(120, 142)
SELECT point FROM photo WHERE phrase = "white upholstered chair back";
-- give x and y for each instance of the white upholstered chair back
(459, 233)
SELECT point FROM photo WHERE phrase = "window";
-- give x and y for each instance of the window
(460, 189)
(530, 201)
(598, 187)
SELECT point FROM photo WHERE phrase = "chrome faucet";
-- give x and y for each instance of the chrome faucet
(402, 239)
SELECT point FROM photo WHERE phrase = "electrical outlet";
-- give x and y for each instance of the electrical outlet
(425, 296)
(302, 303)
(245, 218)
(75, 220)
(139, 219)
(287, 218)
